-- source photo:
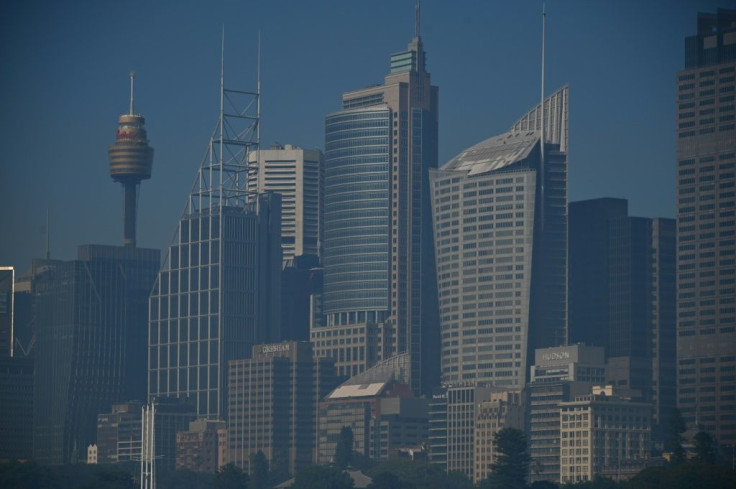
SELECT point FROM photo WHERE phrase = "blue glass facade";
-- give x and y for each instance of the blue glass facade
(356, 216)
(217, 295)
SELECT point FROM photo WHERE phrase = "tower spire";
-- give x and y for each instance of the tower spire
(416, 13)
(132, 86)
(541, 112)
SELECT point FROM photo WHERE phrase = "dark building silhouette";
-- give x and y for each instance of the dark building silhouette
(16, 408)
(706, 202)
(91, 342)
(300, 280)
(622, 296)
(7, 292)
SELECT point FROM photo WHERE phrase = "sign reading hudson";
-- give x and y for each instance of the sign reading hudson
(275, 348)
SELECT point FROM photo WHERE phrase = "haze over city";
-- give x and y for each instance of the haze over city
(382, 245)
(66, 82)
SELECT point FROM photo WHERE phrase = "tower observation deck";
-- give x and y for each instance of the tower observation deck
(131, 161)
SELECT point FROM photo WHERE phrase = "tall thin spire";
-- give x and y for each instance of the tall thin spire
(541, 113)
(132, 86)
(417, 9)
(258, 93)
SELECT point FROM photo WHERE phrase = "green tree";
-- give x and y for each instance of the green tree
(186, 478)
(322, 477)
(28, 475)
(344, 447)
(512, 461)
(705, 448)
(673, 437)
(597, 483)
(230, 476)
(259, 476)
(110, 479)
(420, 474)
(543, 485)
(684, 476)
(387, 480)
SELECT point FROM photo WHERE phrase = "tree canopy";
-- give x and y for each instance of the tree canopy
(511, 463)
(322, 477)
(344, 447)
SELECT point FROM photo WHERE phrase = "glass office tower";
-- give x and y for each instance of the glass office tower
(216, 296)
(379, 286)
(91, 330)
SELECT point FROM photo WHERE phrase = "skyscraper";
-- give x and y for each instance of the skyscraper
(91, 328)
(7, 297)
(706, 202)
(622, 296)
(296, 174)
(500, 224)
(379, 291)
(219, 289)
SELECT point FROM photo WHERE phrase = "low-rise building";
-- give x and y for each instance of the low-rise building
(272, 404)
(203, 448)
(119, 434)
(605, 435)
(501, 410)
(384, 417)
(558, 375)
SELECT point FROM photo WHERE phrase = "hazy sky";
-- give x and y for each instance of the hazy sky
(65, 81)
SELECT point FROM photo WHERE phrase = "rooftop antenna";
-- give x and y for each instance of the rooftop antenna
(258, 91)
(416, 12)
(541, 113)
(131, 161)
(132, 86)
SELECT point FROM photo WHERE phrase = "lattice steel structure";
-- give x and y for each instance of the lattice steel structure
(218, 291)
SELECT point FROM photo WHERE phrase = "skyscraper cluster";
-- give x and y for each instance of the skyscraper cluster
(426, 305)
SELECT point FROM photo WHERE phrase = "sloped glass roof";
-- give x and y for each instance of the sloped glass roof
(494, 153)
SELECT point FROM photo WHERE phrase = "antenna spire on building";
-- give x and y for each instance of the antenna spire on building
(541, 114)
(416, 12)
(132, 86)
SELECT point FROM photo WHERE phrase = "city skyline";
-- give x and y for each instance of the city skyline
(177, 89)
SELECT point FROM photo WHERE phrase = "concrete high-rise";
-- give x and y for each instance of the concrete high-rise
(706, 203)
(622, 297)
(500, 224)
(296, 174)
(379, 284)
(91, 328)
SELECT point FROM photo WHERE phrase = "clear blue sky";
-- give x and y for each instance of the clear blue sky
(65, 71)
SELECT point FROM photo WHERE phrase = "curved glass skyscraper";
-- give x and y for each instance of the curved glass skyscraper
(379, 286)
(356, 213)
